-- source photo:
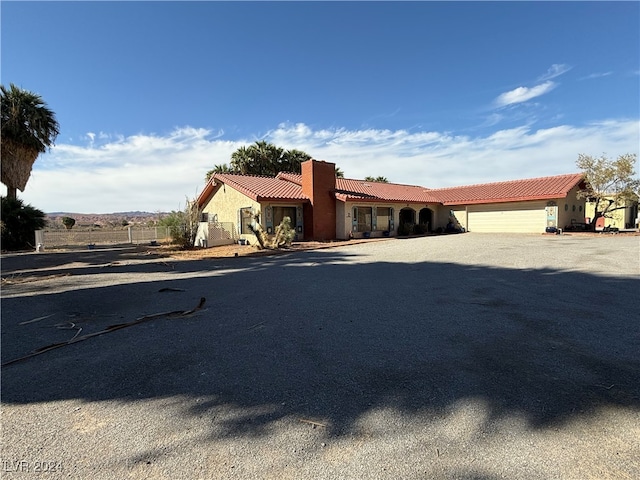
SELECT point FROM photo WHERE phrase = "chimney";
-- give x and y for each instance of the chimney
(319, 184)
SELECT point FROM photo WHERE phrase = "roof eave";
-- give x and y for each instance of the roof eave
(281, 199)
(206, 193)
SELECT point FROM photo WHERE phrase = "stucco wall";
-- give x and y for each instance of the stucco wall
(571, 208)
(224, 205)
(344, 220)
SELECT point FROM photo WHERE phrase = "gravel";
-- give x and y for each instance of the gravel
(473, 356)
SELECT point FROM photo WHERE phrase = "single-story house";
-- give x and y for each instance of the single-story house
(323, 207)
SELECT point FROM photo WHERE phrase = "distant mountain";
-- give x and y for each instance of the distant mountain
(117, 214)
(106, 219)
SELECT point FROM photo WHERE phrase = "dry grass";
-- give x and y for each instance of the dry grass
(235, 250)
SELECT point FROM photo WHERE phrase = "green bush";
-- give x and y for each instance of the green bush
(420, 229)
(68, 222)
(183, 226)
(19, 223)
(406, 229)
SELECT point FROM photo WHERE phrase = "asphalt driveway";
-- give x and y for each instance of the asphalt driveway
(453, 357)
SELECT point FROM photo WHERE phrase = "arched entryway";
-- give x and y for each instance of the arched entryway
(425, 219)
(407, 221)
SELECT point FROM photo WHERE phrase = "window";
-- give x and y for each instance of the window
(383, 220)
(280, 212)
(246, 219)
(209, 217)
(364, 218)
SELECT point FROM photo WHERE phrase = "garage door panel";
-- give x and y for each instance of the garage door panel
(522, 218)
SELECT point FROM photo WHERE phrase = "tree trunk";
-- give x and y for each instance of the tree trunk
(17, 161)
(596, 216)
(12, 193)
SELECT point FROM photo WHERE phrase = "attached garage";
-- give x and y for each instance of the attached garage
(518, 217)
(518, 206)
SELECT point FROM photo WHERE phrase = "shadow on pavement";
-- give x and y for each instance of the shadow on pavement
(314, 336)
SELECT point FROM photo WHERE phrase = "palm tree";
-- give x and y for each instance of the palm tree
(267, 157)
(379, 179)
(19, 221)
(224, 168)
(240, 160)
(28, 129)
(292, 160)
(263, 158)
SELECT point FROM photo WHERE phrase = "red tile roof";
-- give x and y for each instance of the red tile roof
(290, 177)
(288, 186)
(543, 188)
(362, 190)
(262, 188)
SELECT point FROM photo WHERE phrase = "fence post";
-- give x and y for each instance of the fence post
(39, 240)
(129, 233)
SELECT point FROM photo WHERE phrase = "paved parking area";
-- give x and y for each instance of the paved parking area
(453, 357)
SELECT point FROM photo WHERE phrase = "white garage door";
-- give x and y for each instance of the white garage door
(526, 217)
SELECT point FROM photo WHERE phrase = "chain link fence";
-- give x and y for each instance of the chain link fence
(100, 236)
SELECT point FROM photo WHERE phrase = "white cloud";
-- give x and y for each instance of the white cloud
(141, 172)
(523, 94)
(554, 71)
(597, 75)
(157, 173)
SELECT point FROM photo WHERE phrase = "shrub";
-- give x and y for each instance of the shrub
(68, 222)
(406, 228)
(420, 228)
(19, 223)
(183, 225)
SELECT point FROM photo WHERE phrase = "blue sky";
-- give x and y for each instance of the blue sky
(151, 95)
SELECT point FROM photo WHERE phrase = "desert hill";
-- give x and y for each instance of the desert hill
(106, 219)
